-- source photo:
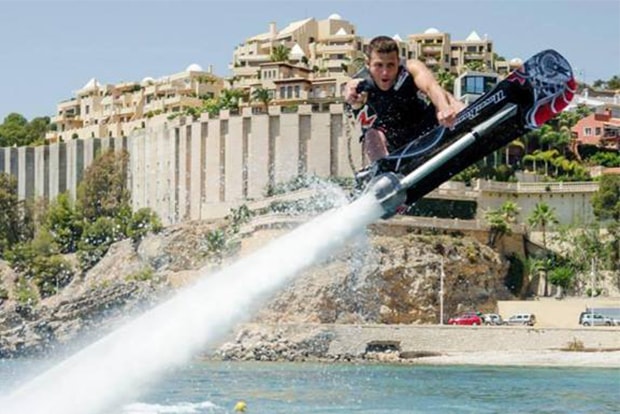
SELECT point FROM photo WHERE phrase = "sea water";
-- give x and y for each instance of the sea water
(203, 387)
(119, 365)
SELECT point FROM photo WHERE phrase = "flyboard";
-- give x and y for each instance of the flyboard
(527, 98)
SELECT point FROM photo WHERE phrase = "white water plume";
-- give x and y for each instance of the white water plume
(113, 369)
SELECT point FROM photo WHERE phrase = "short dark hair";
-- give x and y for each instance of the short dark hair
(382, 44)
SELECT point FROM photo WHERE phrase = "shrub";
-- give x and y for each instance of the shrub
(141, 223)
(96, 240)
(51, 274)
(575, 345)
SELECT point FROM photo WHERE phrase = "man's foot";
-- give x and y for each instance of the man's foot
(364, 176)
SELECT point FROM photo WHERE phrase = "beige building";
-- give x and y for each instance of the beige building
(99, 110)
(431, 47)
(322, 55)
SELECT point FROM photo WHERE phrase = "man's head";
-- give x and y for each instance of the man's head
(382, 61)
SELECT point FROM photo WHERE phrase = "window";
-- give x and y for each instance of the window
(289, 92)
(296, 91)
(598, 131)
(587, 131)
(474, 85)
(282, 92)
(477, 84)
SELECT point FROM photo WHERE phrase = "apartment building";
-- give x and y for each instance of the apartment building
(114, 110)
(322, 55)
(431, 47)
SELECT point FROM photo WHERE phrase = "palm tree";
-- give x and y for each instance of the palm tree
(231, 98)
(280, 53)
(262, 95)
(547, 157)
(543, 216)
(500, 221)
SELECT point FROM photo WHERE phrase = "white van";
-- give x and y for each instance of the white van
(522, 319)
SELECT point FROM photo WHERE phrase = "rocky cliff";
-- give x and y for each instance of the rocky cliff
(378, 279)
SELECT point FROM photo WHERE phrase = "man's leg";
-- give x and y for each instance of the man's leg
(374, 145)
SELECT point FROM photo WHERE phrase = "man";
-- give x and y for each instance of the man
(388, 107)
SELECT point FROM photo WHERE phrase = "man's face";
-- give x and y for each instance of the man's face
(383, 69)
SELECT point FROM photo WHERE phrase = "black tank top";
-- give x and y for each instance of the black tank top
(399, 111)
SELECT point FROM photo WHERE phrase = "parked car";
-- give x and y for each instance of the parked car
(492, 319)
(469, 318)
(522, 319)
(595, 319)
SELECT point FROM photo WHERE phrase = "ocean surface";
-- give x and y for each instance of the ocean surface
(301, 388)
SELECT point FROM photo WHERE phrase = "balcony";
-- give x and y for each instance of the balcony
(341, 48)
(253, 58)
(431, 49)
(245, 70)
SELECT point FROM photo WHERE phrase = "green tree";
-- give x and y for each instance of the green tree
(16, 216)
(263, 96)
(9, 212)
(543, 216)
(231, 99)
(445, 79)
(64, 223)
(606, 206)
(562, 277)
(103, 192)
(13, 131)
(97, 238)
(280, 53)
(500, 221)
(142, 222)
(613, 83)
(214, 245)
(16, 130)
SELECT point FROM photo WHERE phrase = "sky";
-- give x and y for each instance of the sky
(50, 49)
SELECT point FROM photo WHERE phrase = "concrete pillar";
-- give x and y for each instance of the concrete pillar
(319, 145)
(184, 179)
(29, 173)
(40, 171)
(233, 159)
(258, 157)
(213, 164)
(286, 154)
(137, 172)
(3, 163)
(22, 176)
(175, 142)
(195, 151)
(14, 163)
(165, 196)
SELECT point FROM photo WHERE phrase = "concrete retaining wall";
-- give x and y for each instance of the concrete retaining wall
(189, 170)
(354, 339)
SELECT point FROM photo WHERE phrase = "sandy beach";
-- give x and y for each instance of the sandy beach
(594, 359)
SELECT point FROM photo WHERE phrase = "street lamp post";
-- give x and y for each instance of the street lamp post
(441, 277)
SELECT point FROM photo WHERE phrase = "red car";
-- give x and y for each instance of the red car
(470, 318)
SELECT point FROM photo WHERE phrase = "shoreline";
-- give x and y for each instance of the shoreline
(545, 358)
(423, 345)
(600, 359)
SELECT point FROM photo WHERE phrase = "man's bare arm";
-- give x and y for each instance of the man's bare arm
(446, 105)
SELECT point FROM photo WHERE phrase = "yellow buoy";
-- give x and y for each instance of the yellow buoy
(241, 406)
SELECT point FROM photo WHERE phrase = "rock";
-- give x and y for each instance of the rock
(377, 279)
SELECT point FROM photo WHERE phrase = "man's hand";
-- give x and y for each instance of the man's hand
(447, 113)
(352, 97)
